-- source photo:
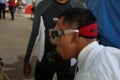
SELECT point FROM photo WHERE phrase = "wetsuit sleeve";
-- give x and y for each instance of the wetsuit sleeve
(34, 33)
(35, 28)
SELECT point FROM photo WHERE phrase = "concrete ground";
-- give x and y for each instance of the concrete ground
(14, 36)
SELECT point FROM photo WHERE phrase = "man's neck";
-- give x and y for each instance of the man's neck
(62, 1)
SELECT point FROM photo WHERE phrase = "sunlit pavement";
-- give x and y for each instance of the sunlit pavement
(14, 36)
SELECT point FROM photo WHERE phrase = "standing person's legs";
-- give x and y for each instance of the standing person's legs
(0, 10)
(12, 12)
(11, 8)
(3, 7)
(44, 70)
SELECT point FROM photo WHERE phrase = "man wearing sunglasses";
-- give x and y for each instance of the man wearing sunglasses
(76, 36)
(48, 62)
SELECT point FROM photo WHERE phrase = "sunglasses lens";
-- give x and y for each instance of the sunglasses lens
(53, 36)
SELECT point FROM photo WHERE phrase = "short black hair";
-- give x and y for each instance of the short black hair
(78, 16)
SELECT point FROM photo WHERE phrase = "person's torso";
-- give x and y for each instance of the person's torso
(50, 17)
(11, 3)
(3, 1)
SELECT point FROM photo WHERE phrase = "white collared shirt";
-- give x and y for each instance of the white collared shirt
(96, 62)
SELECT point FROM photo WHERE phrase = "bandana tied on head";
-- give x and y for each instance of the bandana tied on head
(89, 31)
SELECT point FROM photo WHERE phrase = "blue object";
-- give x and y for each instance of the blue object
(107, 13)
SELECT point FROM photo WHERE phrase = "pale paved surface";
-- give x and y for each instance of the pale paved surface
(14, 37)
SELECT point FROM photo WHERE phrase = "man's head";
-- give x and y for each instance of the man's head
(75, 29)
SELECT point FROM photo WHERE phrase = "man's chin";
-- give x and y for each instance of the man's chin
(60, 53)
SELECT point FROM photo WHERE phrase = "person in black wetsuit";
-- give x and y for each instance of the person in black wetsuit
(48, 62)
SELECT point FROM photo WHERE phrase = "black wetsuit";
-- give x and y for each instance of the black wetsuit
(48, 61)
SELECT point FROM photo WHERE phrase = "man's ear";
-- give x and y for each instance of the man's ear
(75, 37)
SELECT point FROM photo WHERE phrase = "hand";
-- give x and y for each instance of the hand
(27, 69)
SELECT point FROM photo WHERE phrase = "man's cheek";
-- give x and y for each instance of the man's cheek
(59, 49)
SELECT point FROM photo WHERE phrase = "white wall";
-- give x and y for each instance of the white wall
(28, 1)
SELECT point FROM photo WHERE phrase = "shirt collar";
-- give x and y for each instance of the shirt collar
(83, 55)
